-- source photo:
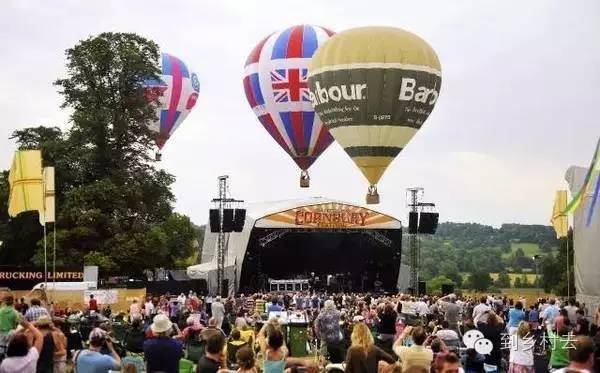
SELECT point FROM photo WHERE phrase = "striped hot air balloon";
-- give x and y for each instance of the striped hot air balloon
(177, 90)
(373, 87)
(276, 86)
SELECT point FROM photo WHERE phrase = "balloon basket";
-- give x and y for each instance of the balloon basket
(372, 196)
(157, 156)
(304, 180)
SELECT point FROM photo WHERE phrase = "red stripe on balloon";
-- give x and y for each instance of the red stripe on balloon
(294, 49)
(304, 162)
(298, 128)
(323, 141)
(175, 93)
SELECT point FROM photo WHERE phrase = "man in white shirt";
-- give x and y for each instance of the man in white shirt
(571, 309)
(218, 311)
(550, 313)
(408, 307)
(148, 308)
(421, 307)
(480, 309)
(543, 305)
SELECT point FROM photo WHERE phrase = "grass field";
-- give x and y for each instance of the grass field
(512, 276)
(530, 249)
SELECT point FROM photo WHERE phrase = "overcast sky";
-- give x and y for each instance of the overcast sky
(518, 105)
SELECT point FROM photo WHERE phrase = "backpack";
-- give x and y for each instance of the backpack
(134, 340)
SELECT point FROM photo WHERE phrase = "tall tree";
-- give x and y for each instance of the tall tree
(503, 280)
(479, 281)
(114, 208)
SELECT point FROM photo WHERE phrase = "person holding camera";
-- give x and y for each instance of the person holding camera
(92, 360)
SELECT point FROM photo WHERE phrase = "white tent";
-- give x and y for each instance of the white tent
(586, 242)
(265, 215)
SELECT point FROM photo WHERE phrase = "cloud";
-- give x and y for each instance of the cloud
(517, 105)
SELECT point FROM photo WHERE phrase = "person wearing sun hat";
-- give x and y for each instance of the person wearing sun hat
(163, 352)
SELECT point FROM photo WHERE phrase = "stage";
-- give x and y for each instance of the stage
(356, 247)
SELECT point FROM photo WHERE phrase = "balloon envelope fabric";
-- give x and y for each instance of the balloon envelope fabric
(177, 91)
(276, 86)
(374, 87)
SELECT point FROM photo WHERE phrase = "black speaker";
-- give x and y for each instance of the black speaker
(239, 217)
(447, 289)
(213, 215)
(224, 287)
(413, 222)
(428, 222)
(227, 220)
(422, 288)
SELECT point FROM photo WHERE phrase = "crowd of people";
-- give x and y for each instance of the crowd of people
(358, 333)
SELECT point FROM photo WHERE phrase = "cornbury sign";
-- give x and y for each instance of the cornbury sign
(20, 278)
(328, 215)
(327, 218)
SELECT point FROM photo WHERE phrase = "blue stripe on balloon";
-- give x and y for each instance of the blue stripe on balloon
(163, 121)
(166, 65)
(286, 118)
(255, 84)
(308, 118)
(281, 44)
(309, 42)
(166, 127)
(175, 119)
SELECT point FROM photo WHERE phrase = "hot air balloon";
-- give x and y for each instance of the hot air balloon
(176, 89)
(373, 88)
(276, 86)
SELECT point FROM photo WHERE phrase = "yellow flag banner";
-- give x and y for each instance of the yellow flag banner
(26, 184)
(49, 209)
(560, 220)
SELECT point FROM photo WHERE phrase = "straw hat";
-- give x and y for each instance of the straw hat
(161, 324)
(43, 320)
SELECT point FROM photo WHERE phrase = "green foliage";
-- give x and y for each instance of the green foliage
(524, 281)
(479, 281)
(434, 285)
(518, 283)
(465, 248)
(114, 208)
(94, 258)
(503, 280)
(553, 268)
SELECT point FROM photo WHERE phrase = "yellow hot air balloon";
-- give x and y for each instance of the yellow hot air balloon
(373, 87)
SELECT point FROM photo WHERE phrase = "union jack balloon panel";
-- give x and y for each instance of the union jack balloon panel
(176, 89)
(276, 86)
